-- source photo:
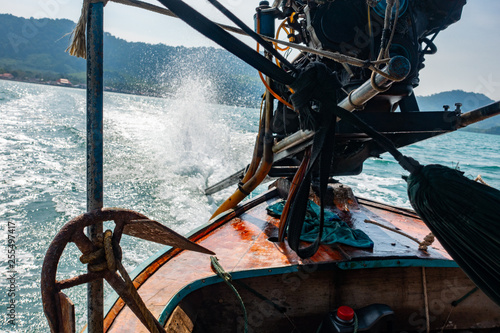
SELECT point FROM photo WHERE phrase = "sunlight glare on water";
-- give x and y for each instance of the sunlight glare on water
(160, 155)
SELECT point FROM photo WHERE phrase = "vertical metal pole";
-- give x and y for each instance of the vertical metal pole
(95, 294)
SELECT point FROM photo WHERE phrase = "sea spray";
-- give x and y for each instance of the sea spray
(42, 182)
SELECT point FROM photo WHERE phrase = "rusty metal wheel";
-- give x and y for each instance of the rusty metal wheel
(103, 262)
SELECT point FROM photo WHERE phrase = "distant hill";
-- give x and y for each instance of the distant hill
(470, 101)
(493, 130)
(35, 48)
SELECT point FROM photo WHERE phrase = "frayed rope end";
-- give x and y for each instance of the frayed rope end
(78, 46)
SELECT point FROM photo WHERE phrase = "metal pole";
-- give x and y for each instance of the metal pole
(95, 294)
(480, 114)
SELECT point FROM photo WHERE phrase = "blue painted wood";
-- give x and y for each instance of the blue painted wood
(384, 263)
(400, 262)
(198, 284)
(95, 92)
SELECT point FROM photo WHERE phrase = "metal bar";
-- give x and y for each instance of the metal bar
(398, 68)
(95, 294)
(480, 114)
(293, 140)
(164, 11)
(233, 179)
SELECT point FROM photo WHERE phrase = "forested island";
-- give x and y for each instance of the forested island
(33, 50)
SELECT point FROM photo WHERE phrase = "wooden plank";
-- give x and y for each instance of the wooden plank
(179, 322)
(307, 297)
(242, 243)
(197, 236)
(67, 312)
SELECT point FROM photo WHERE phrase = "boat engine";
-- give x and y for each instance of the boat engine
(355, 28)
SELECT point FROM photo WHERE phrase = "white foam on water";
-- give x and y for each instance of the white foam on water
(184, 144)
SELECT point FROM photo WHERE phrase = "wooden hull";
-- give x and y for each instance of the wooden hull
(180, 288)
(307, 296)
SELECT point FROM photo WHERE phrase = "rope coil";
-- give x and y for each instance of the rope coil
(104, 257)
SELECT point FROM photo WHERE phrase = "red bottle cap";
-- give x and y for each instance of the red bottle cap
(345, 313)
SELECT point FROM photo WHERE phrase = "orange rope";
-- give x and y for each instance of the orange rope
(282, 26)
(278, 97)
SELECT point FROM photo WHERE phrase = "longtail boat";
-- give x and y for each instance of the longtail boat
(306, 255)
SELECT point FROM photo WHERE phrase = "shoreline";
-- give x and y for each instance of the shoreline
(81, 86)
(116, 91)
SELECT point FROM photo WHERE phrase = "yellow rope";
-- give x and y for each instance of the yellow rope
(108, 250)
(480, 179)
(428, 240)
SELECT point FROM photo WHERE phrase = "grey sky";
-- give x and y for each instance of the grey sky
(467, 57)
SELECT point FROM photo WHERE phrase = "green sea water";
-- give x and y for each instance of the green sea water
(160, 154)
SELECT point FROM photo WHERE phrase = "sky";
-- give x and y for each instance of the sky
(467, 58)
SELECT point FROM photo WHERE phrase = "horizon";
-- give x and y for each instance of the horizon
(473, 38)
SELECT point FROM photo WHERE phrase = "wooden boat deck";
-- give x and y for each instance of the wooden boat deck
(244, 248)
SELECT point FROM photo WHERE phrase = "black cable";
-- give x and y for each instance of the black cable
(442, 26)
(215, 33)
(268, 46)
